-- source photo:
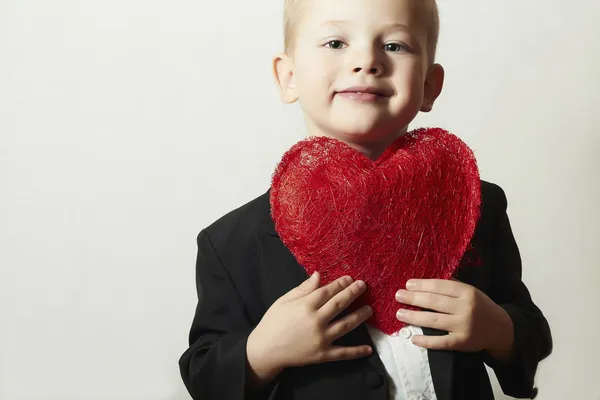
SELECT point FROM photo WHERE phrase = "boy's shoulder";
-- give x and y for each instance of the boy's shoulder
(493, 196)
(243, 223)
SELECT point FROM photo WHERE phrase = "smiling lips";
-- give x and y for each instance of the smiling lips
(364, 93)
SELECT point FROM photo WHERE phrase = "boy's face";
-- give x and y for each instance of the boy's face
(342, 47)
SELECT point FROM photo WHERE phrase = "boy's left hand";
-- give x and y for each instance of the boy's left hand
(473, 320)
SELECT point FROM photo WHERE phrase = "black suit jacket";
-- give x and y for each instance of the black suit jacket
(243, 267)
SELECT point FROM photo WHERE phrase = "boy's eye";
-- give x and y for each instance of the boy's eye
(335, 44)
(395, 47)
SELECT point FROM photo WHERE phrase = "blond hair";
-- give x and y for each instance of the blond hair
(429, 14)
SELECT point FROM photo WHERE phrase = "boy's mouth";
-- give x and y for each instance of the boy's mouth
(364, 93)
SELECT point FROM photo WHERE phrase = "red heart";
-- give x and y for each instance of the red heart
(409, 214)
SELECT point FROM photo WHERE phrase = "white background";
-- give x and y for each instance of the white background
(126, 126)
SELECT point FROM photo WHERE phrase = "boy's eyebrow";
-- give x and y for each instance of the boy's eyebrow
(386, 27)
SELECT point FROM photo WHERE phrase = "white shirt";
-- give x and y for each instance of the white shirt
(407, 365)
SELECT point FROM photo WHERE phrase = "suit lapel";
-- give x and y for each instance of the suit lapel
(441, 363)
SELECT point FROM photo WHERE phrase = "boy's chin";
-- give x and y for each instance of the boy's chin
(365, 134)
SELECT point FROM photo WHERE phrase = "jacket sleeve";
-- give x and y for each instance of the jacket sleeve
(533, 341)
(214, 365)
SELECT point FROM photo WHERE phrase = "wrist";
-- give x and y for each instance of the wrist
(262, 367)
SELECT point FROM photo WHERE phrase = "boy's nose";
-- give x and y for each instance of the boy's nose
(367, 63)
(375, 70)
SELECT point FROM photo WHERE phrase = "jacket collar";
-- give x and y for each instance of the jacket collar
(266, 217)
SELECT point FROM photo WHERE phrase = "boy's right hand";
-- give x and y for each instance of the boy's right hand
(298, 329)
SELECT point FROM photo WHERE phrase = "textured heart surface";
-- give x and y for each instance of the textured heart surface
(409, 214)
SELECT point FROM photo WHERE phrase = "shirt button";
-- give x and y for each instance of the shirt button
(405, 333)
(374, 380)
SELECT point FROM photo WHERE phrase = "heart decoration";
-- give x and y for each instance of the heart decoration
(409, 214)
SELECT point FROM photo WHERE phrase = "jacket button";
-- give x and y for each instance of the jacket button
(374, 380)
(534, 393)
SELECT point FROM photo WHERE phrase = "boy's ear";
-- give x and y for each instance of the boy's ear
(283, 72)
(433, 86)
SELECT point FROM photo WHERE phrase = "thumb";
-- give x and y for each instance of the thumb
(308, 286)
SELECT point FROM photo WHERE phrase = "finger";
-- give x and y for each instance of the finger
(341, 353)
(439, 286)
(446, 342)
(428, 301)
(324, 293)
(308, 286)
(426, 319)
(350, 322)
(341, 301)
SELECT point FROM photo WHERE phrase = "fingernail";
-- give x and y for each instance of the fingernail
(361, 284)
(400, 314)
(399, 296)
(411, 285)
(368, 310)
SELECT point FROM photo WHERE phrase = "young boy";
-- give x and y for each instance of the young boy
(361, 70)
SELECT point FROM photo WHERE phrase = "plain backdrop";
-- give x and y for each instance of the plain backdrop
(126, 126)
